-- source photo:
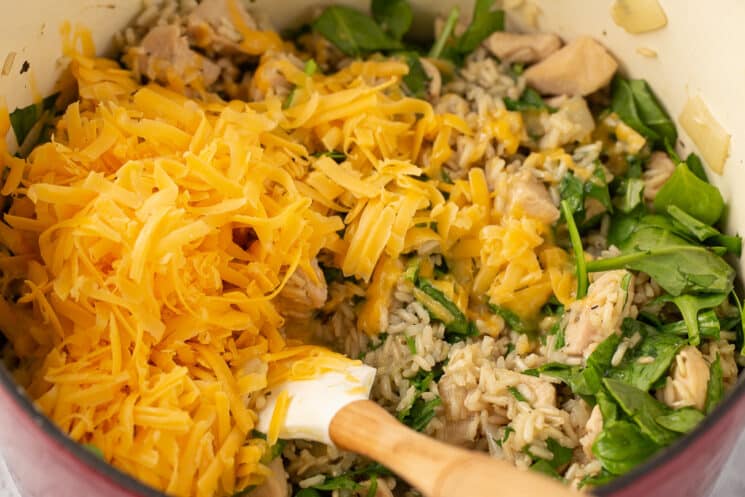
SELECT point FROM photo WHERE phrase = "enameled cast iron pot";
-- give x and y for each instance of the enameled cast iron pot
(699, 53)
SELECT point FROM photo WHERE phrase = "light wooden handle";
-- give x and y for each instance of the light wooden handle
(432, 467)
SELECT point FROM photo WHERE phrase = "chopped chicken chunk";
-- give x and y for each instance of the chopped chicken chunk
(165, 55)
(522, 47)
(276, 484)
(580, 68)
(220, 26)
(453, 396)
(462, 432)
(592, 319)
(658, 171)
(209, 25)
(571, 123)
(592, 429)
(530, 196)
(688, 382)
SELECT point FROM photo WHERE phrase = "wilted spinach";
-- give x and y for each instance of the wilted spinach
(661, 347)
(637, 106)
(692, 195)
(393, 16)
(529, 100)
(681, 420)
(457, 325)
(485, 22)
(621, 446)
(708, 326)
(675, 264)
(642, 408)
(32, 124)
(416, 80)
(579, 253)
(353, 32)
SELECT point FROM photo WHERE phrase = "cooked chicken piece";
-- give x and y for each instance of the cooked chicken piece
(688, 382)
(522, 47)
(529, 196)
(571, 123)
(462, 433)
(592, 429)
(592, 319)
(580, 68)
(210, 25)
(276, 484)
(165, 55)
(453, 397)
(435, 79)
(658, 171)
(303, 293)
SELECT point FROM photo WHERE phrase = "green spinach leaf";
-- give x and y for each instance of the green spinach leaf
(512, 319)
(546, 468)
(690, 306)
(394, 16)
(416, 80)
(696, 166)
(457, 326)
(690, 224)
(630, 195)
(581, 381)
(692, 195)
(447, 30)
(420, 413)
(529, 100)
(661, 347)
(642, 408)
(32, 124)
(708, 326)
(621, 446)
(579, 253)
(353, 32)
(485, 22)
(732, 244)
(675, 264)
(516, 394)
(681, 420)
(637, 106)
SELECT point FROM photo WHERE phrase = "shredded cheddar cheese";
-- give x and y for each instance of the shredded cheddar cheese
(155, 233)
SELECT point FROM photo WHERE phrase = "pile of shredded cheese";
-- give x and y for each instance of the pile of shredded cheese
(148, 328)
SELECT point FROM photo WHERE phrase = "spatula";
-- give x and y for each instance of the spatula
(334, 408)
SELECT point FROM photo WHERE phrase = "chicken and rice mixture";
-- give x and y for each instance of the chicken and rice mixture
(499, 224)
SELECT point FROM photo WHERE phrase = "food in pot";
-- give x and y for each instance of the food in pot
(498, 222)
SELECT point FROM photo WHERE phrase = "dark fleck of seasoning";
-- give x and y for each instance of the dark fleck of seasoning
(25, 67)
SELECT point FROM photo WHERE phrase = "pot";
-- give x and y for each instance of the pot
(695, 56)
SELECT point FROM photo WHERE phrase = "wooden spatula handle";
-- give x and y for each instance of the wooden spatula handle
(434, 468)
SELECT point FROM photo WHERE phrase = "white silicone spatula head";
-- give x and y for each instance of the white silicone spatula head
(314, 402)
